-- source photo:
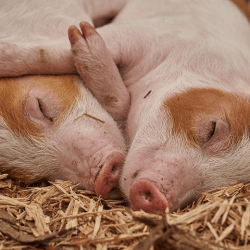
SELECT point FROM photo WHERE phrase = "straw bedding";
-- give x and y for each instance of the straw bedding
(60, 215)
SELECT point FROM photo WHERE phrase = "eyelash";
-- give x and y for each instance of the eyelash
(41, 107)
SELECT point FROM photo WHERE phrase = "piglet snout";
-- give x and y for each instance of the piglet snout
(146, 196)
(107, 181)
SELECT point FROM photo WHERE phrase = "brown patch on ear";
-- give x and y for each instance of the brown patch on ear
(198, 104)
(11, 108)
(243, 6)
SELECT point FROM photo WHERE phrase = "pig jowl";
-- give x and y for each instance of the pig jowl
(52, 128)
(188, 125)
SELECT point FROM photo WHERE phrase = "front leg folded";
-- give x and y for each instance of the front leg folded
(96, 66)
(25, 59)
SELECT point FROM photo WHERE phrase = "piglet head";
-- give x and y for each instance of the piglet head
(52, 127)
(196, 140)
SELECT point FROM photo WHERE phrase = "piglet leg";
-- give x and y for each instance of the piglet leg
(96, 66)
(43, 58)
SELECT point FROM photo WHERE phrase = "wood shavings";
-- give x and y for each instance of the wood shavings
(60, 215)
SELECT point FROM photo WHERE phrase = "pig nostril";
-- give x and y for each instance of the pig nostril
(148, 196)
(145, 195)
(114, 168)
(107, 179)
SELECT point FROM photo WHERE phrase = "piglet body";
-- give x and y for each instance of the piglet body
(186, 65)
(51, 126)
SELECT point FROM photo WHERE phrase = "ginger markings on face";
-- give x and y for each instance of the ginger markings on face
(197, 105)
(14, 93)
(243, 6)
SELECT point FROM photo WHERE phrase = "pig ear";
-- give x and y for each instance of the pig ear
(97, 68)
(40, 110)
(213, 135)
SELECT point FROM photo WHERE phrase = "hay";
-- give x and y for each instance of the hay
(62, 216)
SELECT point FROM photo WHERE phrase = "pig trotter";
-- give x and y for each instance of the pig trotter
(96, 66)
(74, 34)
(146, 196)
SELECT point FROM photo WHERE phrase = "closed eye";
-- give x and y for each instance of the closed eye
(212, 131)
(43, 110)
(206, 131)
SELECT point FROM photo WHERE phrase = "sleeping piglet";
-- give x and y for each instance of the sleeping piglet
(51, 126)
(186, 65)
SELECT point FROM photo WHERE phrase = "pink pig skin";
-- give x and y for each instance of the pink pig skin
(186, 65)
(34, 41)
(47, 131)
